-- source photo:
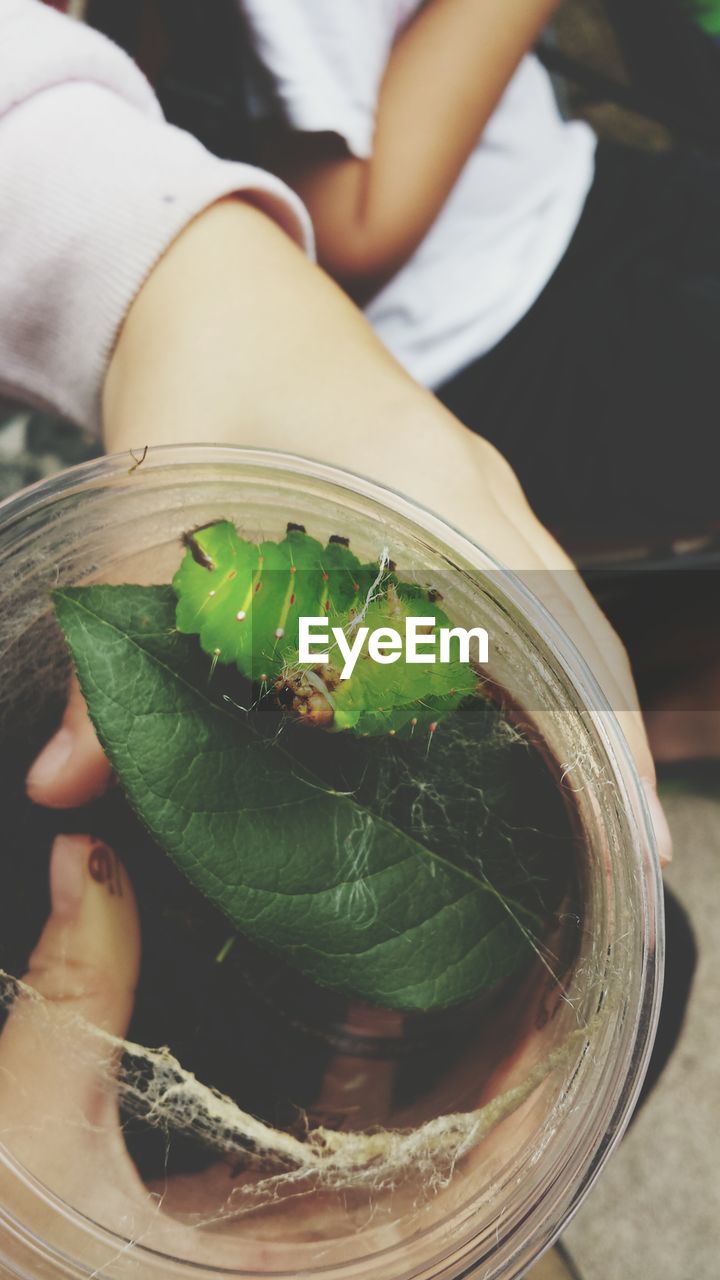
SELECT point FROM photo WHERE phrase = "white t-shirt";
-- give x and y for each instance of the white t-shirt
(514, 208)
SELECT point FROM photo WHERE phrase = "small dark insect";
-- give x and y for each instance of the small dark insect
(341, 542)
(137, 462)
(434, 595)
(297, 528)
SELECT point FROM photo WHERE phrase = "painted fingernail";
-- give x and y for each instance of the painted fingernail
(105, 869)
(67, 875)
(51, 760)
(660, 824)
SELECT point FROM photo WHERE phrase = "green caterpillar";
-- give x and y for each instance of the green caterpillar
(244, 601)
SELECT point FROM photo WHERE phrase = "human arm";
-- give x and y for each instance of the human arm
(236, 338)
(444, 78)
(229, 333)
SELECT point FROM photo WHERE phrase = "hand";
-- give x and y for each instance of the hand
(58, 1105)
(59, 1113)
(237, 339)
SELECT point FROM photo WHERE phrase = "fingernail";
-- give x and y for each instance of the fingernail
(67, 875)
(51, 760)
(660, 824)
(105, 869)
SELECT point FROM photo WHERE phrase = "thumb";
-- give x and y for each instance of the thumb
(54, 1068)
(72, 768)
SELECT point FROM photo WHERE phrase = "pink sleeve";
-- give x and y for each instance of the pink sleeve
(94, 186)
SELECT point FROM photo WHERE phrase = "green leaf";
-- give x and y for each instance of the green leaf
(353, 900)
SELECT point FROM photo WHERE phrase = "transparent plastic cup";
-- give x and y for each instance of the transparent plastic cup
(510, 1194)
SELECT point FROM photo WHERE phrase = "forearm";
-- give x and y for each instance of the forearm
(444, 79)
(236, 338)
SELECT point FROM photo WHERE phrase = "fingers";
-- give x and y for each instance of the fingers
(72, 768)
(522, 543)
(587, 626)
(54, 1069)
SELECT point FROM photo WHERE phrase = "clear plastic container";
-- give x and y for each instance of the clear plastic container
(510, 1194)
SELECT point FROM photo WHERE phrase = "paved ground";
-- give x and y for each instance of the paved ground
(553, 1267)
(655, 1213)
